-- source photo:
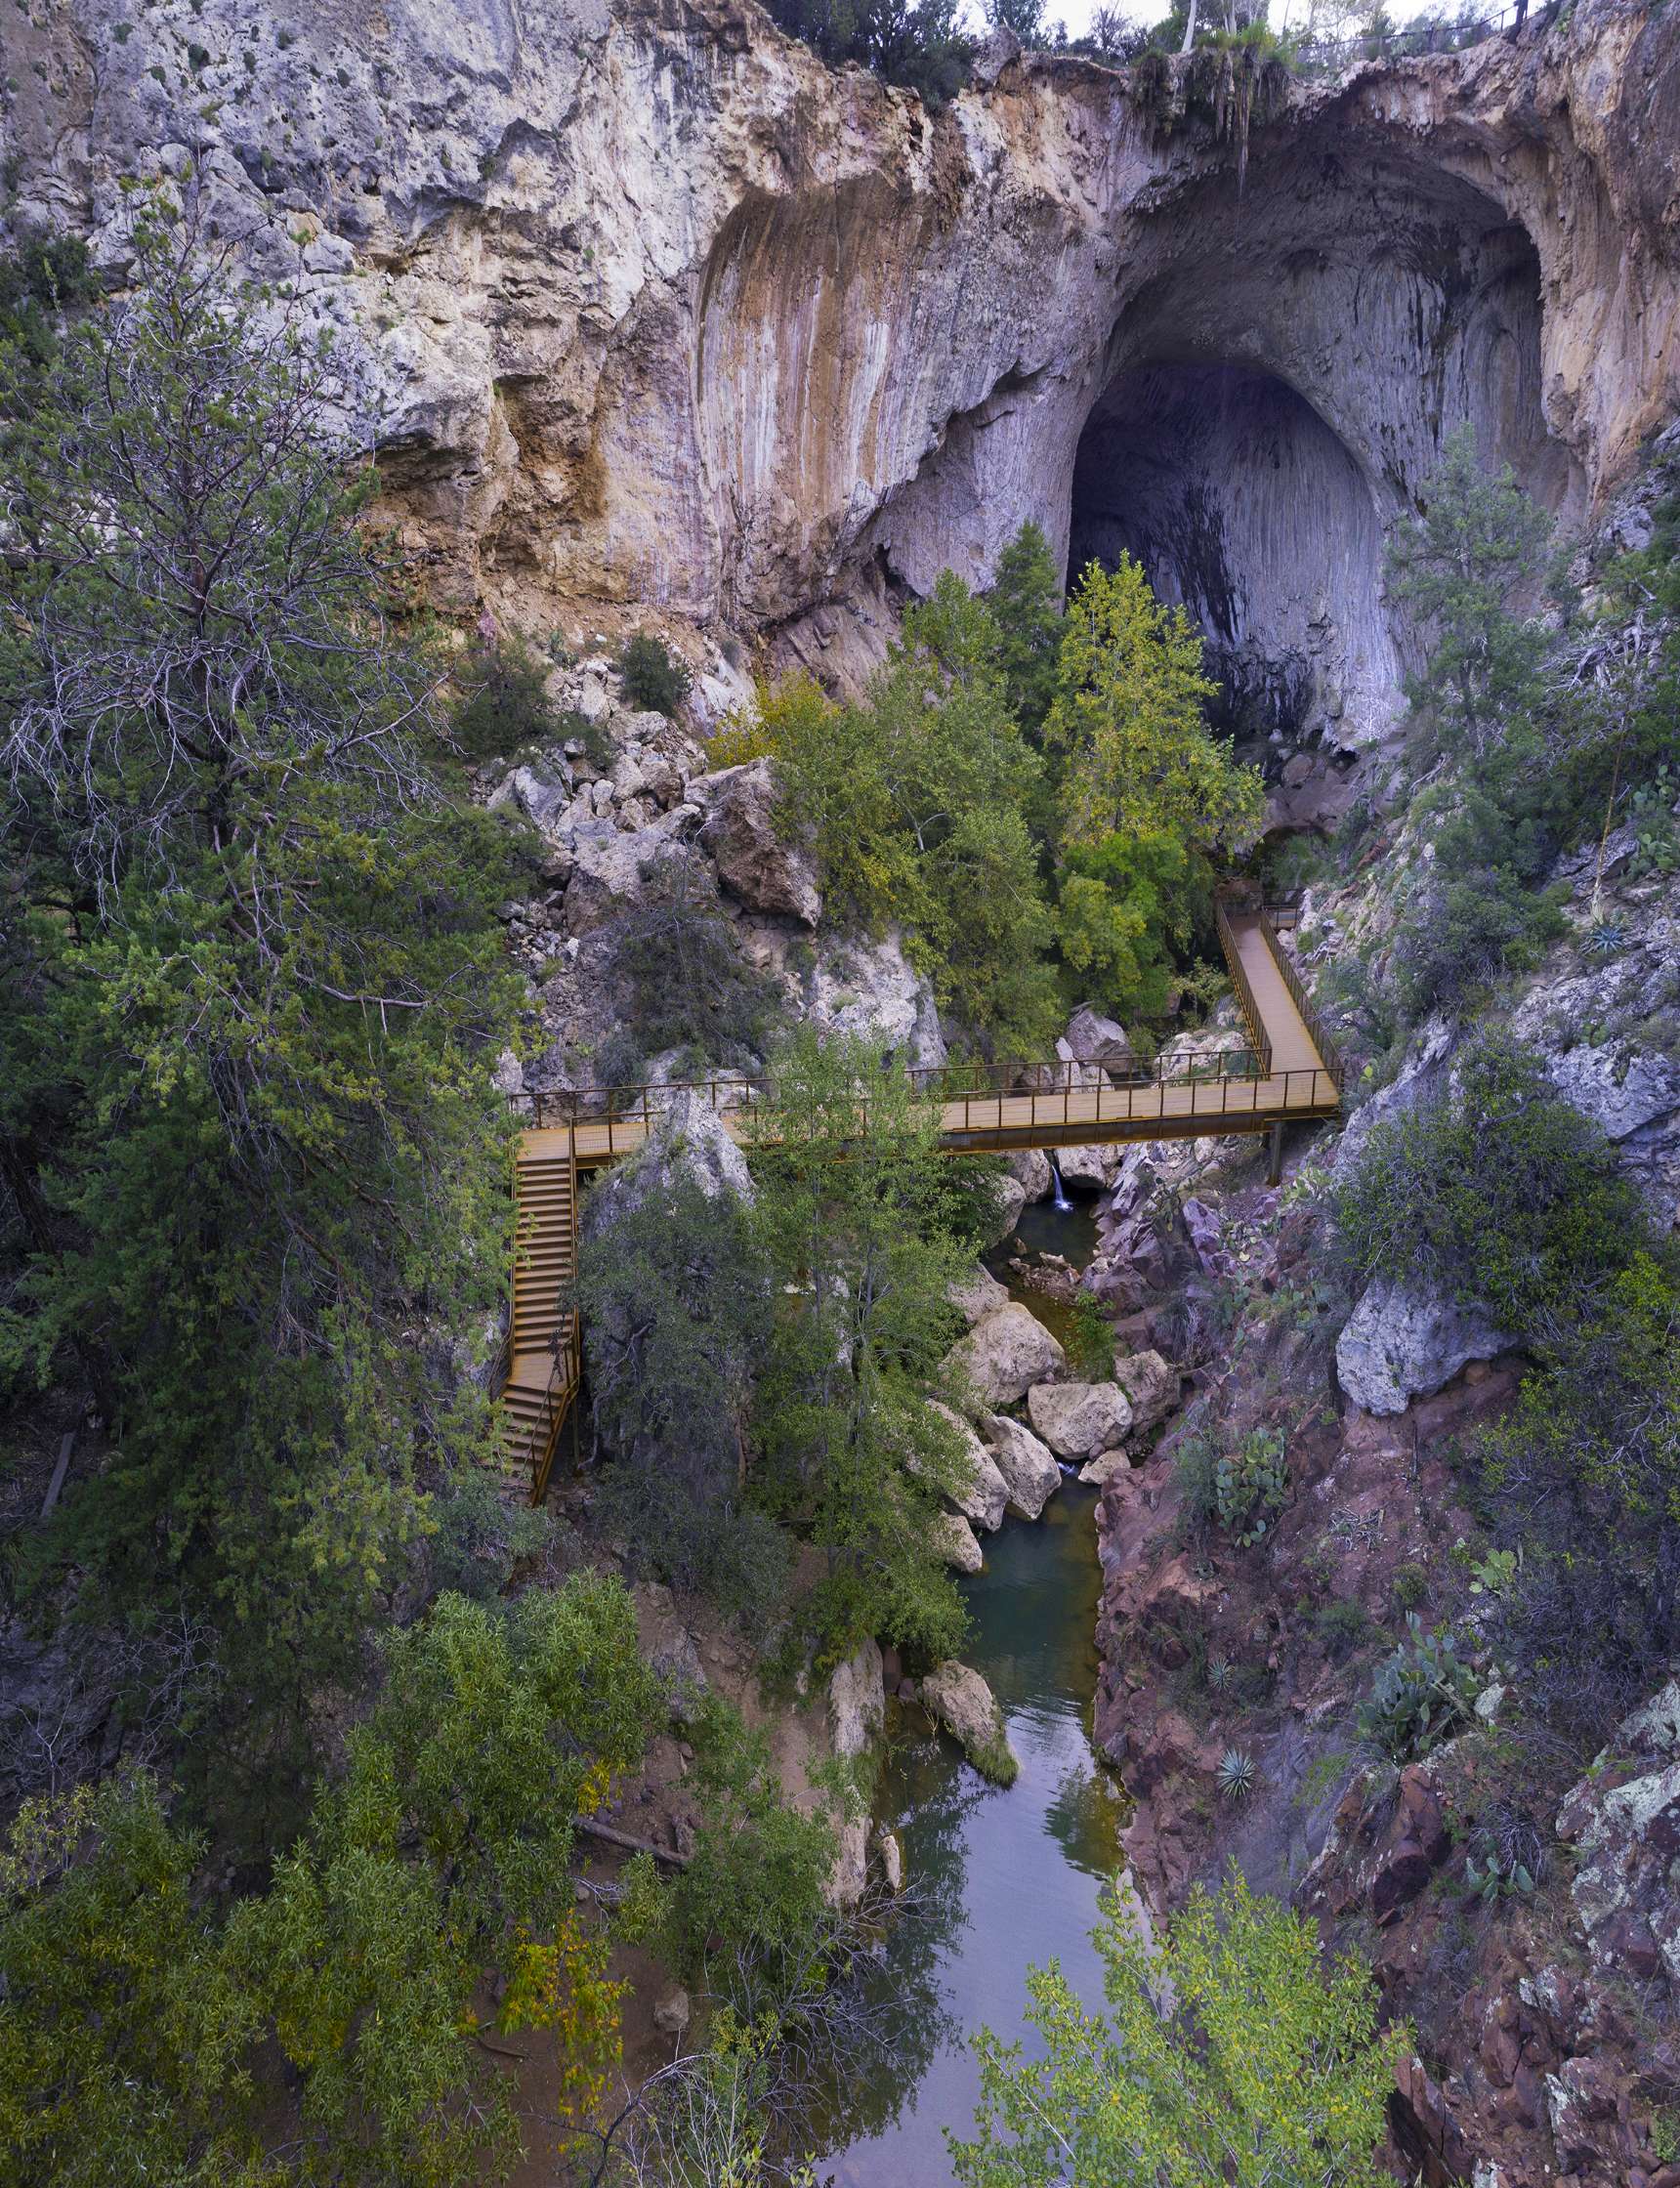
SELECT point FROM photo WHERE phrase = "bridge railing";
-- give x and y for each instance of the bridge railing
(1311, 1016)
(944, 1084)
(1240, 979)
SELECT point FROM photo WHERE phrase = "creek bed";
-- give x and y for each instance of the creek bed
(1012, 1879)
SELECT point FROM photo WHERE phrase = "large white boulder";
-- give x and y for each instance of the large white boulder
(857, 1700)
(1079, 1420)
(1004, 1354)
(977, 1295)
(1398, 1345)
(1027, 1465)
(956, 1542)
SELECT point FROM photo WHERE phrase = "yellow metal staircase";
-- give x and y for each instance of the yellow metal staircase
(543, 1359)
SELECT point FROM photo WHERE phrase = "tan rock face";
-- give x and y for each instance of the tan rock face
(652, 307)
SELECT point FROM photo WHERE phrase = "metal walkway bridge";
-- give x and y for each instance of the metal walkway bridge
(1288, 1070)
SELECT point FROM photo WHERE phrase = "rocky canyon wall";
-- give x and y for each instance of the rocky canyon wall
(656, 308)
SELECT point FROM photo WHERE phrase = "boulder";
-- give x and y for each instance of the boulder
(1152, 1385)
(1012, 1197)
(609, 870)
(1030, 1168)
(857, 1700)
(1079, 1420)
(977, 1295)
(955, 1542)
(1206, 1229)
(764, 866)
(1004, 1354)
(1398, 1345)
(672, 2012)
(1624, 1825)
(1104, 1467)
(956, 1697)
(1028, 1466)
(1095, 1039)
(984, 1497)
(890, 1849)
(1091, 1167)
(541, 793)
(872, 990)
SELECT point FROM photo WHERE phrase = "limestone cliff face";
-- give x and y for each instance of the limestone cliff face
(660, 309)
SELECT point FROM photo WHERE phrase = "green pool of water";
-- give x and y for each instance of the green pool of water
(1014, 1876)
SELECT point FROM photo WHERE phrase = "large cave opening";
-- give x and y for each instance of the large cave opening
(1244, 508)
(1272, 399)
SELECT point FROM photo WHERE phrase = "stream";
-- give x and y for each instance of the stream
(1012, 1879)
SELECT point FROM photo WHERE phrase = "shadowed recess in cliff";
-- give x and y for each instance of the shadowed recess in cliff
(1243, 507)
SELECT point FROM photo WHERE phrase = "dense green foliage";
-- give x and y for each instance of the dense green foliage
(251, 979)
(1148, 795)
(1035, 798)
(503, 704)
(1478, 539)
(917, 43)
(1266, 2067)
(1496, 1192)
(743, 1918)
(675, 1289)
(867, 1226)
(917, 800)
(652, 677)
(686, 985)
(143, 2039)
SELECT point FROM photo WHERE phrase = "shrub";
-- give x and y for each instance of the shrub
(1090, 1341)
(1249, 1484)
(1497, 1193)
(1410, 1587)
(653, 679)
(1420, 1695)
(690, 985)
(1342, 1627)
(504, 702)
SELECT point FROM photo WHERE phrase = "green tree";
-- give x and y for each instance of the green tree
(142, 2041)
(917, 801)
(1456, 565)
(252, 976)
(675, 1290)
(1025, 604)
(1264, 2067)
(1497, 1193)
(867, 1226)
(123, 2042)
(1148, 795)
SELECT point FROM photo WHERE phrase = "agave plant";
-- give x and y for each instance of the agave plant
(1219, 1670)
(1235, 1774)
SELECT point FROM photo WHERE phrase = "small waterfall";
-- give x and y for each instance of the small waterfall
(1060, 1202)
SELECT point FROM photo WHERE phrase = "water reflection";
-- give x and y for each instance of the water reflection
(1011, 1877)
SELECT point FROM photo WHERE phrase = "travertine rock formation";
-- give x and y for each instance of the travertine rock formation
(658, 307)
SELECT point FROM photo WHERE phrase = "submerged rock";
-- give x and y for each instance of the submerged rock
(958, 1698)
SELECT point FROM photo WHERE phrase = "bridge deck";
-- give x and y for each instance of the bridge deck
(1286, 1075)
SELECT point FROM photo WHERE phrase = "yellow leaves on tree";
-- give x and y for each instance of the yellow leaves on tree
(564, 1986)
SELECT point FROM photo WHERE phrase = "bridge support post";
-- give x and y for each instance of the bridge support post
(1275, 1154)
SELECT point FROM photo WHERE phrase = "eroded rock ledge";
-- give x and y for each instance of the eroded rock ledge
(658, 307)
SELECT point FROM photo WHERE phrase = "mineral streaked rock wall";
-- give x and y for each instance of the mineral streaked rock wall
(659, 308)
